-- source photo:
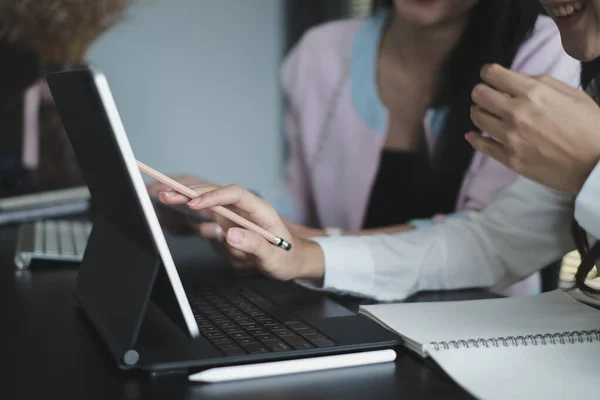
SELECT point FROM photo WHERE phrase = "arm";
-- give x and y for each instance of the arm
(523, 230)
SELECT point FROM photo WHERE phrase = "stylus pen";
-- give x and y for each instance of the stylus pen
(186, 191)
(262, 370)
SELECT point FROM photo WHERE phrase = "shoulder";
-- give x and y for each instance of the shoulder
(542, 54)
(320, 55)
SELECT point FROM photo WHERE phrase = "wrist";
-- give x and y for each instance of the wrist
(311, 260)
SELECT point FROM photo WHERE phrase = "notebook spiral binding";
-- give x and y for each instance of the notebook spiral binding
(528, 340)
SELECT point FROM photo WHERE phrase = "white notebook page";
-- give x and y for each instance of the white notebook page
(569, 371)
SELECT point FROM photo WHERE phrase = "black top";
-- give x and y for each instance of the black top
(403, 190)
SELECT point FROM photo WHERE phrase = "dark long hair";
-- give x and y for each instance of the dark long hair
(589, 256)
(494, 33)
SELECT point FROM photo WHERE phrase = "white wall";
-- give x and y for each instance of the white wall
(197, 86)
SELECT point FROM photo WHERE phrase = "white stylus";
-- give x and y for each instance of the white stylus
(261, 370)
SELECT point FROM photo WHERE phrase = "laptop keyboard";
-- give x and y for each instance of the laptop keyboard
(238, 321)
(62, 237)
(54, 240)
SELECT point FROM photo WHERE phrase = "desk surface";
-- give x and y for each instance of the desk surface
(50, 350)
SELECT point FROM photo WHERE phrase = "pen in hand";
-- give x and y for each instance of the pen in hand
(230, 215)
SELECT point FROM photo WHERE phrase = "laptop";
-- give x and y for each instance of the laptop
(155, 317)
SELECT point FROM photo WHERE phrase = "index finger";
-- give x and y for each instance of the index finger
(260, 211)
(505, 80)
(172, 196)
(560, 86)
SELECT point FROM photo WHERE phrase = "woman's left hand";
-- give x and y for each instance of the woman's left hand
(304, 260)
(540, 127)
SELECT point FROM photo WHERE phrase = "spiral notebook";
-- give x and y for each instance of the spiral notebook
(545, 346)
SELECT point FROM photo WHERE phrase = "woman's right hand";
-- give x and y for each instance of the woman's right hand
(304, 260)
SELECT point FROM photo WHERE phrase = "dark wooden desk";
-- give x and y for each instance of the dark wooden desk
(49, 350)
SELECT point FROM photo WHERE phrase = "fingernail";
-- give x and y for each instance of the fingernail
(235, 236)
(166, 194)
(194, 202)
(468, 137)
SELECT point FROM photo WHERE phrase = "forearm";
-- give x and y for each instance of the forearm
(524, 230)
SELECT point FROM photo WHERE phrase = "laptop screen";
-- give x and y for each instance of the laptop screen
(35, 154)
(109, 167)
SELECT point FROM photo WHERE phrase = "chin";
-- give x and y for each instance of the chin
(420, 19)
(581, 51)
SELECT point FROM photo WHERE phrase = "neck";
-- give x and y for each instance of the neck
(422, 48)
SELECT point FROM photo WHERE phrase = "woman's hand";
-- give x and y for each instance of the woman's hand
(155, 187)
(304, 260)
(538, 126)
(173, 220)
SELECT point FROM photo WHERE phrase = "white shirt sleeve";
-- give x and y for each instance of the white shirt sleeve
(523, 230)
(587, 204)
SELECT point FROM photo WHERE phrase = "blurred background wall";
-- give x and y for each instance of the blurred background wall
(197, 81)
(196, 85)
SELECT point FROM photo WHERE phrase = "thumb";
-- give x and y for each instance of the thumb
(249, 242)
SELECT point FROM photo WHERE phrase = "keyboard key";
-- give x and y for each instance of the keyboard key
(208, 329)
(221, 319)
(246, 321)
(227, 325)
(232, 350)
(220, 340)
(225, 346)
(249, 310)
(239, 317)
(297, 325)
(277, 327)
(284, 333)
(80, 234)
(67, 246)
(255, 348)
(212, 315)
(271, 323)
(235, 329)
(265, 337)
(305, 331)
(256, 313)
(252, 327)
(276, 345)
(322, 343)
(38, 241)
(266, 318)
(246, 341)
(297, 342)
(51, 245)
(313, 336)
(259, 332)
(212, 334)
(241, 335)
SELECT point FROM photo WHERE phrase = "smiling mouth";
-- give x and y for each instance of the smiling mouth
(566, 9)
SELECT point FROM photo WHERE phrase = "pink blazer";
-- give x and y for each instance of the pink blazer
(336, 122)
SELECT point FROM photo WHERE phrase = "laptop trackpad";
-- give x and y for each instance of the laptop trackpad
(311, 306)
